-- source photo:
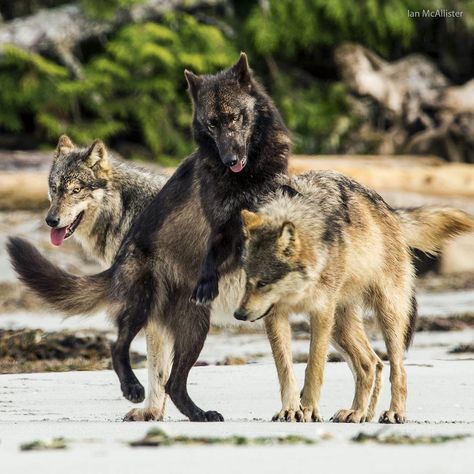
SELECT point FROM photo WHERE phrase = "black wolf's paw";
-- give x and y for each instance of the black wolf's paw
(133, 392)
(206, 290)
(204, 416)
(213, 416)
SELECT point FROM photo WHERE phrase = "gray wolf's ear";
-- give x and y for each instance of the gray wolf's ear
(241, 70)
(288, 241)
(194, 83)
(97, 155)
(64, 146)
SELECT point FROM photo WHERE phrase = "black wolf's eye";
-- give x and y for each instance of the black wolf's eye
(212, 124)
(76, 190)
(261, 284)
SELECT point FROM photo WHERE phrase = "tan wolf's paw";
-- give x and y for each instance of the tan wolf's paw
(144, 414)
(349, 416)
(392, 417)
(288, 415)
(311, 414)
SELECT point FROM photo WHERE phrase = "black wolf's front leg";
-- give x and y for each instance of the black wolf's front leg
(223, 243)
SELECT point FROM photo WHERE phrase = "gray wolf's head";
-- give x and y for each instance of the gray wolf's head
(225, 112)
(275, 265)
(77, 183)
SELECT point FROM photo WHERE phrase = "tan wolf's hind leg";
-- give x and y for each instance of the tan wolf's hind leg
(159, 344)
(393, 314)
(278, 330)
(321, 327)
(349, 336)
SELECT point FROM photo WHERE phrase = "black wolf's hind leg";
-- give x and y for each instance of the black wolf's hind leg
(129, 324)
(189, 339)
(133, 317)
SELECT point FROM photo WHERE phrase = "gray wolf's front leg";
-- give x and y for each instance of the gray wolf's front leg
(159, 343)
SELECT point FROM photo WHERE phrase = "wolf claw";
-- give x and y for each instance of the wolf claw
(206, 290)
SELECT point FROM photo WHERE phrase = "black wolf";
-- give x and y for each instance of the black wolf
(152, 278)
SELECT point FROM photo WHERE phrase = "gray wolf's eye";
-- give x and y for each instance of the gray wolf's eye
(261, 284)
(76, 190)
(53, 188)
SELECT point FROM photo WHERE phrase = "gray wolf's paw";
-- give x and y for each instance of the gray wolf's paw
(206, 290)
(392, 417)
(204, 416)
(289, 415)
(133, 392)
(349, 416)
(144, 414)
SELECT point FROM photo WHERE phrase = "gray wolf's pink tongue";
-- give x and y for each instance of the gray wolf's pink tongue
(57, 235)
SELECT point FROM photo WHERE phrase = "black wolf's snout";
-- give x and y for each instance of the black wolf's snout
(52, 220)
(241, 315)
(230, 160)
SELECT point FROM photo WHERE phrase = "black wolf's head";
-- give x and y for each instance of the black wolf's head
(229, 110)
(77, 184)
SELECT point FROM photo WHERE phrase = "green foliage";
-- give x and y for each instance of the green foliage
(134, 87)
(317, 114)
(288, 26)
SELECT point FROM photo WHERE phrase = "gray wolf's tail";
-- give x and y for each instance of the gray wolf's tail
(428, 229)
(62, 291)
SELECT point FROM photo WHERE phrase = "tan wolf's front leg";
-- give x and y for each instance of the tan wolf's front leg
(159, 345)
(278, 330)
(321, 327)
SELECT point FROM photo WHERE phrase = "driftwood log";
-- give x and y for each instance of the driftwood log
(59, 30)
(26, 187)
(420, 110)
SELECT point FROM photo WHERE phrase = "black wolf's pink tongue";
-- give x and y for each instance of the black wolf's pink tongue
(237, 168)
(57, 236)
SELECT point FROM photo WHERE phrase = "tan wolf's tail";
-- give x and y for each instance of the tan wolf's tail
(429, 228)
(62, 291)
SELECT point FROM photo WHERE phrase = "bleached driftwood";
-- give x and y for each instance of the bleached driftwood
(425, 113)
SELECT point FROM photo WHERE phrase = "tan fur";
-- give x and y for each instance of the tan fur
(334, 250)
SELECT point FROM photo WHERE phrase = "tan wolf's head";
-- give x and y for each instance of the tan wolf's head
(77, 183)
(274, 265)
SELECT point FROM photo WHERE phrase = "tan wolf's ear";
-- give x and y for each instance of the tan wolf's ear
(288, 241)
(64, 146)
(251, 220)
(242, 70)
(194, 83)
(97, 155)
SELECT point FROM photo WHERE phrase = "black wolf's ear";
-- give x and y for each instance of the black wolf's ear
(97, 155)
(194, 83)
(288, 240)
(241, 70)
(64, 146)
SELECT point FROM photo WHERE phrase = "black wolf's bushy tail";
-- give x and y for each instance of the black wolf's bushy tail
(62, 291)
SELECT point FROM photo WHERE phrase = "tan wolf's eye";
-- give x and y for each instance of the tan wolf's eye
(76, 190)
(261, 284)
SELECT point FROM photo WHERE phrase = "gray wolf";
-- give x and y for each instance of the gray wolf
(152, 278)
(96, 197)
(330, 251)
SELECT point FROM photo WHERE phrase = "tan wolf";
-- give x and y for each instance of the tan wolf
(331, 251)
